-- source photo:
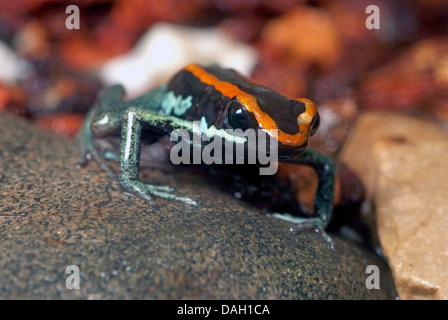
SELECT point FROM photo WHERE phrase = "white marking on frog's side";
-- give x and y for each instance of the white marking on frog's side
(203, 153)
(226, 134)
(175, 105)
(129, 136)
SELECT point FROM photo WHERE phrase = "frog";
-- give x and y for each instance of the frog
(221, 99)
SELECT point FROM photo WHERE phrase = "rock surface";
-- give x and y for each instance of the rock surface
(403, 164)
(54, 215)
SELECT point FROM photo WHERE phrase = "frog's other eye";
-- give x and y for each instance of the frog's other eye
(237, 117)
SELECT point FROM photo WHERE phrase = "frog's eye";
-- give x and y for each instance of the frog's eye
(237, 117)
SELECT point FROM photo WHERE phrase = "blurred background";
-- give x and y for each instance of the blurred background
(316, 49)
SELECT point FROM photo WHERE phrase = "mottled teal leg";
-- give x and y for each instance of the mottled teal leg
(323, 203)
(133, 119)
(85, 140)
(325, 168)
(104, 119)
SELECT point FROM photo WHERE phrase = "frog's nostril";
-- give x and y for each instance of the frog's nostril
(315, 124)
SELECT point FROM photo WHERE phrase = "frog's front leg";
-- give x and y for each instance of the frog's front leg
(103, 119)
(133, 119)
(323, 203)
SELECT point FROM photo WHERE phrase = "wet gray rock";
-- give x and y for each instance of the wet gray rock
(54, 215)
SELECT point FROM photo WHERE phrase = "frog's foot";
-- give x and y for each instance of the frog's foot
(316, 224)
(86, 147)
(109, 155)
(84, 159)
(89, 151)
(146, 191)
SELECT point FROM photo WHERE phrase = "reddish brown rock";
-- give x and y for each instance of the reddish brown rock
(286, 77)
(65, 124)
(12, 99)
(337, 117)
(305, 34)
(416, 79)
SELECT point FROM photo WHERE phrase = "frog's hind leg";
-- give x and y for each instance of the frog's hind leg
(323, 203)
(315, 224)
(133, 119)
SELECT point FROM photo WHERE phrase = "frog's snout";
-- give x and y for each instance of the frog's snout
(315, 124)
(310, 117)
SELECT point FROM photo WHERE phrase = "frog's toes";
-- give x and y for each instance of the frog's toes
(186, 200)
(163, 188)
(101, 158)
(147, 191)
(82, 162)
(138, 189)
(113, 156)
(86, 148)
(315, 224)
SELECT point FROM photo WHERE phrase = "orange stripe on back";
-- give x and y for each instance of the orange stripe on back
(249, 102)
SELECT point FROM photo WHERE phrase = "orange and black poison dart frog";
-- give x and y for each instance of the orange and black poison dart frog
(221, 100)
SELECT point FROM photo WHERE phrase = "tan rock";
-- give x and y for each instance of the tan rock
(403, 163)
